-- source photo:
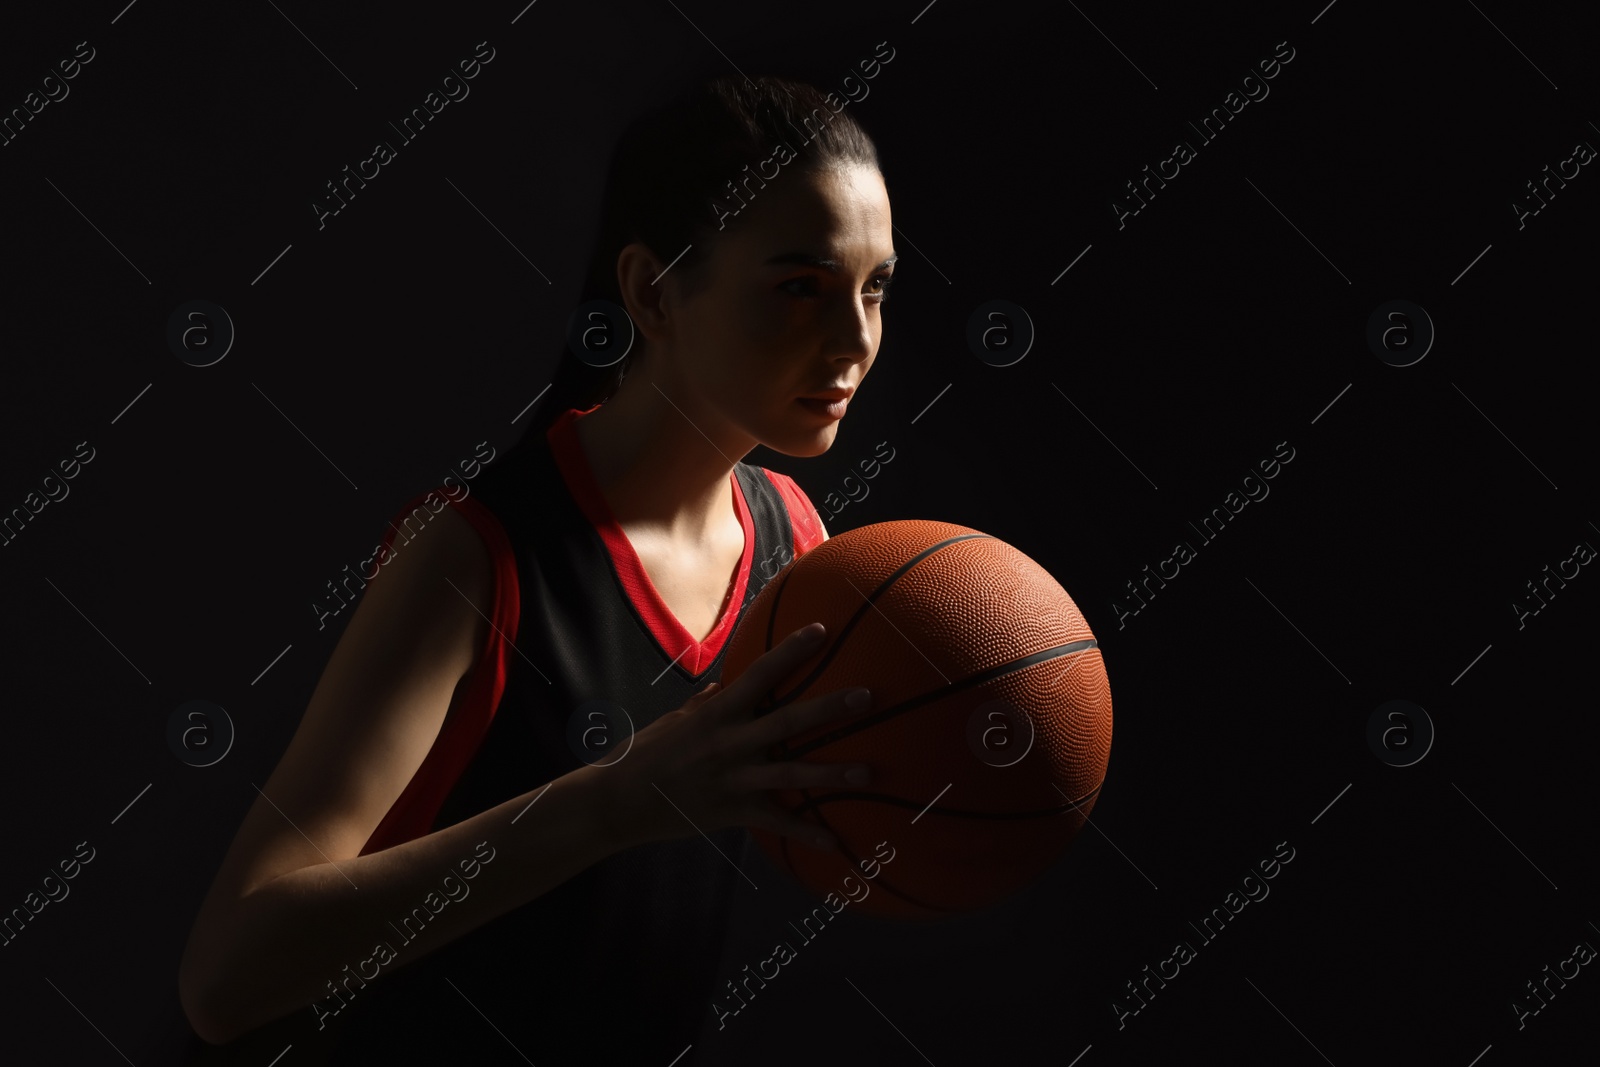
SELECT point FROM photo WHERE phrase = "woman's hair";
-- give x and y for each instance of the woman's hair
(672, 183)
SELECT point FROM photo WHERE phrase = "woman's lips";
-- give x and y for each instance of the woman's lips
(832, 409)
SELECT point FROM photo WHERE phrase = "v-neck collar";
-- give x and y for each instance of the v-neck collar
(674, 639)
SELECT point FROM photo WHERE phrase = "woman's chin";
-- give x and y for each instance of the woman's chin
(814, 441)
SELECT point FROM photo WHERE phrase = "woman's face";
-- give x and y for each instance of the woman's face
(791, 306)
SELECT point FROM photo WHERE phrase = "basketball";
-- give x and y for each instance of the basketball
(990, 725)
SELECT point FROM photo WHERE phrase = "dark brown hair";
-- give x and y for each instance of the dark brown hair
(674, 179)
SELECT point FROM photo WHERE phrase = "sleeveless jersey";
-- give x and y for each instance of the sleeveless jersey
(617, 964)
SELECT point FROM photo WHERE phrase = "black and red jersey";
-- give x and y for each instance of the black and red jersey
(617, 963)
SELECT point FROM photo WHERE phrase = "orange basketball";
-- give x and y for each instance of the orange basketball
(990, 724)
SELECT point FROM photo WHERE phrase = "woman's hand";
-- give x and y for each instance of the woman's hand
(704, 766)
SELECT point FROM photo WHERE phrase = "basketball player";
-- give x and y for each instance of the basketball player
(606, 558)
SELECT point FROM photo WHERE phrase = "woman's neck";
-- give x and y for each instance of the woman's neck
(658, 467)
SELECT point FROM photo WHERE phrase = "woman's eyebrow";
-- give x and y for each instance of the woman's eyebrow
(806, 259)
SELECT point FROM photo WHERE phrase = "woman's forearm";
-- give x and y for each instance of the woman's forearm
(296, 939)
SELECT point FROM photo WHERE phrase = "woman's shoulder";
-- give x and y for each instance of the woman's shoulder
(460, 536)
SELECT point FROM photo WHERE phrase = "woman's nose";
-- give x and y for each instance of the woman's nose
(855, 330)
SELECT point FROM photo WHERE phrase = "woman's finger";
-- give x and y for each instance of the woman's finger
(802, 717)
(771, 667)
(798, 774)
(770, 817)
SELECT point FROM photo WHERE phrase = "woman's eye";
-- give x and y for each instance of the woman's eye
(879, 287)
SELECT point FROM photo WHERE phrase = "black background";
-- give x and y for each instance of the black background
(1179, 350)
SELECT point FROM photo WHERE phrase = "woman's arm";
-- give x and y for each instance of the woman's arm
(294, 901)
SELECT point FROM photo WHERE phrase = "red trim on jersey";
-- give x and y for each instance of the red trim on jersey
(675, 640)
(803, 517)
(413, 812)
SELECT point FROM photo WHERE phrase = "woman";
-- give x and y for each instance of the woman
(436, 862)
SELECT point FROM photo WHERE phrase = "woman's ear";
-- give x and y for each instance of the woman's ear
(642, 287)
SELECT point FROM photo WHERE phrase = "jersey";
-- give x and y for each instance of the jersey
(617, 964)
